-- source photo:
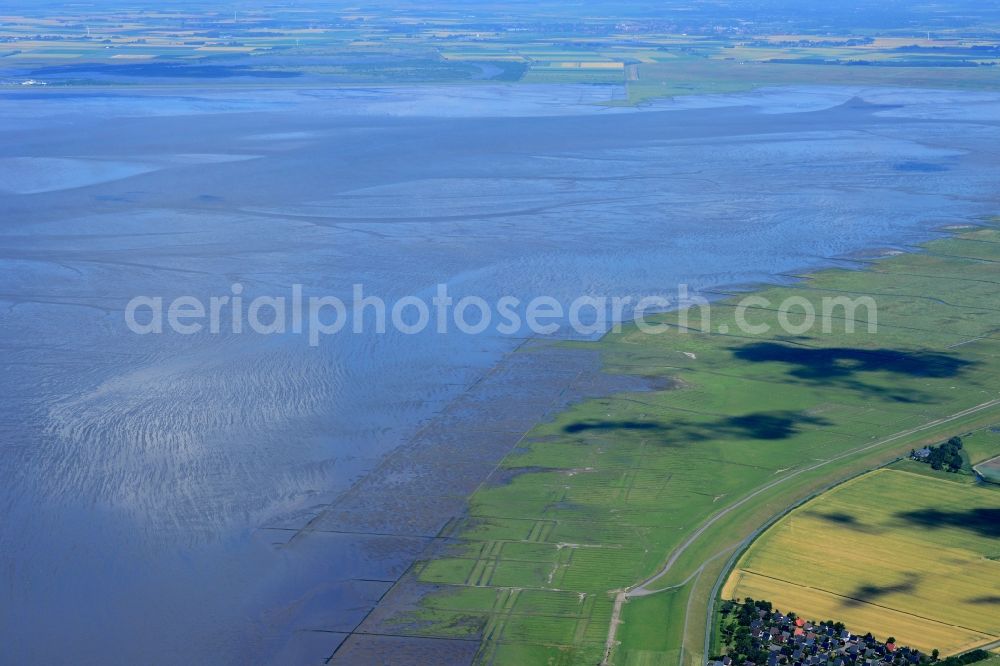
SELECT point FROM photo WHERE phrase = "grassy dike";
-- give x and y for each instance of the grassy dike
(599, 499)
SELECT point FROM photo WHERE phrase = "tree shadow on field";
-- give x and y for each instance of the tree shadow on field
(581, 426)
(767, 425)
(842, 366)
(869, 592)
(823, 364)
(988, 600)
(759, 425)
(981, 521)
(845, 520)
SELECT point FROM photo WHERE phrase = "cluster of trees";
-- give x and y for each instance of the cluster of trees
(964, 659)
(746, 612)
(736, 629)
(947, 455)
(839, 627)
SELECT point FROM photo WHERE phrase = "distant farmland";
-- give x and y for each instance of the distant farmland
(893, 553)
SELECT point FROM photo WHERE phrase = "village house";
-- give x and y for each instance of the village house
(782, 640)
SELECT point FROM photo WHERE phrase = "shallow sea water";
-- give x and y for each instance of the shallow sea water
(223, 498)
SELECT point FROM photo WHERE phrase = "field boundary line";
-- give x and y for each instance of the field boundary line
(847, 454)
(731, 564)
(641, 589)
(868, 603)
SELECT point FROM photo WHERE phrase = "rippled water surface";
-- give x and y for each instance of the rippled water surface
(153, 488)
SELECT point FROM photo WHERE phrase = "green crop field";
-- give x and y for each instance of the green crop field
(600, 498)
(890, 553)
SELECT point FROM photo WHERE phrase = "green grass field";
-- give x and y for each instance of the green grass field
(890, 552)
(982, 449)
(597, 500)
(982, 445)
(990, 470)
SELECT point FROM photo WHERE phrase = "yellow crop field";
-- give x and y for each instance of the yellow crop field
(922, 633)
(893, 553)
